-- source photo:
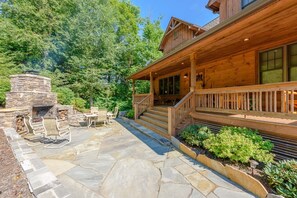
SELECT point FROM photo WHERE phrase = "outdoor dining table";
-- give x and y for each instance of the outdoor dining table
(90, 117)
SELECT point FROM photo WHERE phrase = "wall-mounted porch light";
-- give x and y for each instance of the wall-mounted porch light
(186, 75)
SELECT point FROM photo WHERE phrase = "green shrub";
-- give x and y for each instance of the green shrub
(79, 104)
(4, 87)
(282, 177)
(130, 114)
(65, 95)
(235, 144)
(253, 135)
(194, 135)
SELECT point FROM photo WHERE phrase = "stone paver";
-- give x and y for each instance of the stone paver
(119, 161)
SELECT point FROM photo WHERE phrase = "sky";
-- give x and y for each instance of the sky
(192, 11)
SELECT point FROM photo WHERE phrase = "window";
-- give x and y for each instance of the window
(271, 66)
(169, 86)
(292, 62)
(245, 3)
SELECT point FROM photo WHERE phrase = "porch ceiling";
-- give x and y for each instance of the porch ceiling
(263, 24)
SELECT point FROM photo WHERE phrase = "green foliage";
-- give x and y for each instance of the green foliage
(65, 95)
(252, 135)
(238, 145)
(130, 114)
(194, 135)
(79, 104)
(282, 177)
(90, 47)
(4, 87)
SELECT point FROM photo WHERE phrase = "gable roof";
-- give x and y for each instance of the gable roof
(173, 24)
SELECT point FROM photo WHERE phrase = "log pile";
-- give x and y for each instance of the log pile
(63, 114)
(20, 124)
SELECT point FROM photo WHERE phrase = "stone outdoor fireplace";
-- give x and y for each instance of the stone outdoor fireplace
(32, 92)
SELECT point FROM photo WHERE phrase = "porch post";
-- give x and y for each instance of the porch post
(133, 91)
(152, 89)
(193, 72)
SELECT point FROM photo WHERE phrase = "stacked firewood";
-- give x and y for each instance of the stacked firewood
(63, 114)
(20, 125)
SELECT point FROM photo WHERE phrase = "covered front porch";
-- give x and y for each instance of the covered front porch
(237, 73)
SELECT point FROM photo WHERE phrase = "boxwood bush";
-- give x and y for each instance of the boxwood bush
(282, 177)
(239, 145)
(194, 135)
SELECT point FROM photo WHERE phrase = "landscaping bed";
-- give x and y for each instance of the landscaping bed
(239, 149)
(13, 182)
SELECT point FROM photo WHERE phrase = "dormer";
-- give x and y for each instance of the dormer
(177, 32)
(228, 8)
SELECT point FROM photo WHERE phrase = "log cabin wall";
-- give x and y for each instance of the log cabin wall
(177, 37)
(235, 70)
(229, 8)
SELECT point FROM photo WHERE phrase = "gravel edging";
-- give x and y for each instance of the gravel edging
(42, 182)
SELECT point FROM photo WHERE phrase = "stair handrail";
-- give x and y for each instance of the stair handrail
(180, 111)
(142, 106)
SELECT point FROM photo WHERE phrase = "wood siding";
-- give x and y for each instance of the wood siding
(236, 70)
(177, 37)
(229, 8)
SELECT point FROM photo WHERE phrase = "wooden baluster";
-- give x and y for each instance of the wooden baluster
(253, 101)
(270, 101)
(292, 101)
(260, 101)
(282, 102)
(275, 101)
(287, 102)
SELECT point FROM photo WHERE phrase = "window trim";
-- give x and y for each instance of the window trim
(246, 5)
(167, 87)
(286, 67)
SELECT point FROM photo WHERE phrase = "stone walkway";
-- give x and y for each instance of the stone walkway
(119, 162)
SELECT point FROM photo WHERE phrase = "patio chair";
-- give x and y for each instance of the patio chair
(94, 109)
(38, 127)
(114, 114)
(102, 117)
(63, 130)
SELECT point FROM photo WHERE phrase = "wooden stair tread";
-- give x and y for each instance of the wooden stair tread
(156, 129)
(156, 122)
(158, 108)
(159, 117)
(156, 112)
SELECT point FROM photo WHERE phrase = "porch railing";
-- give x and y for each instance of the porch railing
(142, 106)
(139, 97)
(180, 111)
(273, 100)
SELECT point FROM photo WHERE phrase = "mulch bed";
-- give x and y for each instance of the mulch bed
(257, 173)
(13, 182)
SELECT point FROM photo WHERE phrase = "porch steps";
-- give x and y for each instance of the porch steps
(159, 130)
(156, 112)
(157, 122)
(155, 119)
(155, 116)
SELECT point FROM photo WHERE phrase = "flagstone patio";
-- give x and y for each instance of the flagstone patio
(118, 162)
